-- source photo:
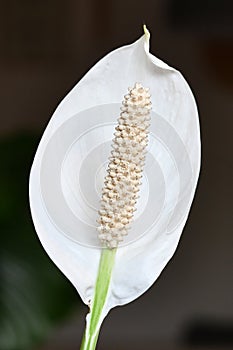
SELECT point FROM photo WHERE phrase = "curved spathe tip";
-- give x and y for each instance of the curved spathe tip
(146, 32)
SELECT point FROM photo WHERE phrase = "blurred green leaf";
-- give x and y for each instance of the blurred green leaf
(34, 295)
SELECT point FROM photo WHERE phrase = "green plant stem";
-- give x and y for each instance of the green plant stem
(103, 280)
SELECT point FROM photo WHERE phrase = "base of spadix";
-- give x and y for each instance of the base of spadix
(73, 169)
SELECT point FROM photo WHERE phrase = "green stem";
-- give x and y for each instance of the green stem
(100, 295)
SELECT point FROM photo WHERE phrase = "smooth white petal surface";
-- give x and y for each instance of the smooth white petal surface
(69, 166)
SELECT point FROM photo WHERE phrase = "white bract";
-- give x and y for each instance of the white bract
(69, 168)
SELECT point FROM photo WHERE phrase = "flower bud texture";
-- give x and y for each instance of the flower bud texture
(124, 172)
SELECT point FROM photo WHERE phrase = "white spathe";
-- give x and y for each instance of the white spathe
(140, 261)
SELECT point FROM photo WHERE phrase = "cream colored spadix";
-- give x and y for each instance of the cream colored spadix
(67, 176)
(122, 182)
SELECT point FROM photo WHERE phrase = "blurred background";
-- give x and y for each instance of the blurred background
(45, 48)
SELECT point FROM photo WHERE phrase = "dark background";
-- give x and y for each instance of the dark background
(45, 48)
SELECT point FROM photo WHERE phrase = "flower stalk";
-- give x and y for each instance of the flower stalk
(100, 295)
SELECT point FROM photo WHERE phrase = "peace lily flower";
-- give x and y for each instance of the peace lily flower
(109, 198)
